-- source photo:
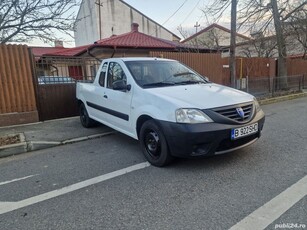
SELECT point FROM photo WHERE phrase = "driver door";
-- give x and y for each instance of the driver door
(117, 102)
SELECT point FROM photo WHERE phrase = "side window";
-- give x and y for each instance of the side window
(115, 73)
(102, 75)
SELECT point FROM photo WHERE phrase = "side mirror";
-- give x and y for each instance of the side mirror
(121, 85)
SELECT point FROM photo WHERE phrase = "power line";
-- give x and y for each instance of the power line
(190, 12)
(175, 12)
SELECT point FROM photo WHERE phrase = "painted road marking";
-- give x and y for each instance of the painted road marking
(269, 212)
(11, 206)
(18, 179)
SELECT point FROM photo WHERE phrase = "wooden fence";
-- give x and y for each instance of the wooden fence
(209, 65)
(297, 67)
(20, 92)
(17, 97)
(217, 68)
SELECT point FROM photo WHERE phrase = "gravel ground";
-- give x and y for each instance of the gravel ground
(8, 140)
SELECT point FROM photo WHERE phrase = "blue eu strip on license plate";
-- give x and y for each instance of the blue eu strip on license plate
(244, 131)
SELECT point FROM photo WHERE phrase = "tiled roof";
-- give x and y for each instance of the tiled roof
(39, 51)
(69, 51)
(133, 39)
(214, 25)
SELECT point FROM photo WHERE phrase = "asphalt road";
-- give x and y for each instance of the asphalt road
(212, 193)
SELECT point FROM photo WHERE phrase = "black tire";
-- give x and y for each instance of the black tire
(154, 145)
(86, 121)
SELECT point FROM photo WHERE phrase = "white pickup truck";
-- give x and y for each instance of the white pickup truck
(169, 108)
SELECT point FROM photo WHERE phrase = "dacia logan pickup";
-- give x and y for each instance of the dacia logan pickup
(172, 110)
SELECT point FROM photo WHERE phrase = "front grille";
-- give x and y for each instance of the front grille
(233, 114)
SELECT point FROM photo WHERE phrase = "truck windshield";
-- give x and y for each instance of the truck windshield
(159, 73)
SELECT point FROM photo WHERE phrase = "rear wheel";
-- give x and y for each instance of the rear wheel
(154, 145)
(86, 121)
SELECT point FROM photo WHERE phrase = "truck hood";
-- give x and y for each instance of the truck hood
(202, 96)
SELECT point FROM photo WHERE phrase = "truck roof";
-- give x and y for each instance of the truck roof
(139, 59)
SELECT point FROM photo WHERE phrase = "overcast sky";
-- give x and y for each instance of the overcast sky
(161, 11)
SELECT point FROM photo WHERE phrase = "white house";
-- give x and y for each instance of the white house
(98, 19)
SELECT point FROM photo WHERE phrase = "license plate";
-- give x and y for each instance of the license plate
(244, 131)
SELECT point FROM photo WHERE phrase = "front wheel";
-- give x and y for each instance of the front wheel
(154, 145)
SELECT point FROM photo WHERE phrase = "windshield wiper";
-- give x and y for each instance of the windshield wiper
(188, 82)
(183, 73)
(160, 83)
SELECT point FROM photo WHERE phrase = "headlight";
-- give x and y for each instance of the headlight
(191, 116)
(257, 106)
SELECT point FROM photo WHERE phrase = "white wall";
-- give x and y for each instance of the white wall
(116, 19)
(86, 26)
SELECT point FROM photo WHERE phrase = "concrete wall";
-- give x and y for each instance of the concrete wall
(116, 19)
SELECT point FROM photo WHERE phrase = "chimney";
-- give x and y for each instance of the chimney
(135, 27)
(58, 43)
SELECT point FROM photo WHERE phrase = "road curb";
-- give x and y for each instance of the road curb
(282, 98)
(29, 146)
(14, 149)
(74, 140)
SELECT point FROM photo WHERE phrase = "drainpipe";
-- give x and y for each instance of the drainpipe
(56, 69)
(241, 72)
(114, 51)
(93, 56)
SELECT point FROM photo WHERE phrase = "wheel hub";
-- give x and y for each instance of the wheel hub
(152, 143)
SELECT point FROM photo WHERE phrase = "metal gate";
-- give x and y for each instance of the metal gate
(56, 79)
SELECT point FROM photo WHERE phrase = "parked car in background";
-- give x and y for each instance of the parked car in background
(55, 80)
(172, 110)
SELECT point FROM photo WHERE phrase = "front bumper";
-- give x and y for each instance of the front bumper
(195, 140)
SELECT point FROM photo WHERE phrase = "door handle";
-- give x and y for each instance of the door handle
(105, 96)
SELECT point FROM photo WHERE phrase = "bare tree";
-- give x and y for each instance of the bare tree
(216, 10)
(265, 16)
(183, 32)
(296, 29)
(260, 47)
(212, 39)
(23, 20)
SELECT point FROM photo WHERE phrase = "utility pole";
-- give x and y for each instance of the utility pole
(196, 27)
(232, 48)
(99, 15)
(282, 53)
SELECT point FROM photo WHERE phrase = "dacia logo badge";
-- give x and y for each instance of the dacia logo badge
(240, 112)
